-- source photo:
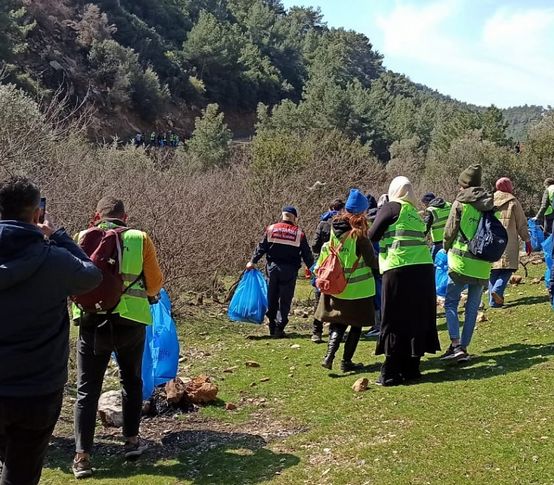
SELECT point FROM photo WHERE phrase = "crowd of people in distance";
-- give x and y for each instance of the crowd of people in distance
(386, 250)
(168, 139)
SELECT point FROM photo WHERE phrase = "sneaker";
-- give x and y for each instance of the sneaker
(134, 450)
(317, 338)
(373, 333)
(463, 356)
(498, 299)
(449, 354)
(82, 468)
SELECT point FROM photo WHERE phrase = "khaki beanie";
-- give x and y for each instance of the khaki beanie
(471, 176)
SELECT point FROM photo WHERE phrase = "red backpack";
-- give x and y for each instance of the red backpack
(330, 275)
(104, 248)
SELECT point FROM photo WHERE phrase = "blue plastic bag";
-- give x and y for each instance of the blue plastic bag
(536, 234)
(547, 247)
(161, 348)
(249, 303)
(441, 272)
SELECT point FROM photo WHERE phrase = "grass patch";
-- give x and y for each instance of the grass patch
(490, 421)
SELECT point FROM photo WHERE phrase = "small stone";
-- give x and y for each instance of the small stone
(265, 379)
(253, 384)
(361, 385)
(230, 370)
(481, 317)
(516, 279)
(230, 406)
(251, 363)
(291, 375)
(295, 346)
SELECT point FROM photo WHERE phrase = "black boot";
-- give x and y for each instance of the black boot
(335, 337)
(271, 329)
(317, 332)
(349, 348)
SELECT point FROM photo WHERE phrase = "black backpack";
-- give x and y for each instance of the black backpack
(490, 240)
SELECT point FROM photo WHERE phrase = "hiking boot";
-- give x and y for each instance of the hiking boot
(348, 366)
(449, 354)
(462, 356)
(317, 338)
(498, 299)
(82, 468)
(271, 329)
(134, 450)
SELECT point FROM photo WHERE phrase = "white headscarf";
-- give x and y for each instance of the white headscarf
(401, 190)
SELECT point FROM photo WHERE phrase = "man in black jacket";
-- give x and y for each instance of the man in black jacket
(285, 247)
(39, 268)
(322, 235)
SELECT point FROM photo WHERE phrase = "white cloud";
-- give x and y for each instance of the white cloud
(508, 63)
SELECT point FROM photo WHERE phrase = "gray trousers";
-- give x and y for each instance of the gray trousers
(94, 349)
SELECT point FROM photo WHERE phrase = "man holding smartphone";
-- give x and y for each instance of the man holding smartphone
(40, 266)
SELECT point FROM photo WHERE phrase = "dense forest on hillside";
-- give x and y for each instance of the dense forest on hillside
(146, 64)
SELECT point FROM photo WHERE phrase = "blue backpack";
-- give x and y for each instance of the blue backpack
(490, 240)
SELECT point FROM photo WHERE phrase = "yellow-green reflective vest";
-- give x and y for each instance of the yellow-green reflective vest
(134, 303)
(460, 260)
(404, 242)
(550, 209)
(360, 282)
(440, 216)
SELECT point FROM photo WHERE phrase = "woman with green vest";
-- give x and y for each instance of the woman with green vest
(354, 306)
(464, 269)
(546, 211)
(408, 312)
(437, 211)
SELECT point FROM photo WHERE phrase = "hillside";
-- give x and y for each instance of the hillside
(145, 68)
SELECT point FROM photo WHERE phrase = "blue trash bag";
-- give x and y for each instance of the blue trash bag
(161, 348)
(547, 247)
(441, 272)
(249, 303)
(536, 234)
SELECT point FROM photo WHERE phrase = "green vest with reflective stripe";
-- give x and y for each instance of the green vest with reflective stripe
(460, 260)
(440, 216)
(360, 282)
(550, 209)
(404, 242)
(134, 304)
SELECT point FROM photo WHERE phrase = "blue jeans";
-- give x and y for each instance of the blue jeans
(452, 300)
(498, 282)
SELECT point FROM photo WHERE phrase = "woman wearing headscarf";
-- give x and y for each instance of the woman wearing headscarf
(514, 220)
(408, 313)
(354, 306)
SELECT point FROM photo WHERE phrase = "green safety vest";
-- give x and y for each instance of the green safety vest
(360, 282)
(134, 304)
(404, 242)
(460, 260)
(550, 209)
(440, 216)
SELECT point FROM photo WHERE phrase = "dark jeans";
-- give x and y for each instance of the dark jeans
(26, 426)
(94, 348)
(282, 282)
(548, 223)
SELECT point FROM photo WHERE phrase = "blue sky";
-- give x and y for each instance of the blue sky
(480, 51)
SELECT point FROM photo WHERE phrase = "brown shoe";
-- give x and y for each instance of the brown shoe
(498, 299)
(82, 468)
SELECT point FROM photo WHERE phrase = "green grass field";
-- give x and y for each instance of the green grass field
(488, 422)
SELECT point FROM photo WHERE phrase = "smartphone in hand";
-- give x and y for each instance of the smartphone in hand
(42, 207)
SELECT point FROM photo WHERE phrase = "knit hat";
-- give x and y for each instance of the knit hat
(504, 184)
(428, 197)
(357, 202)
(471, 176)
(289, 209)
(372, 201)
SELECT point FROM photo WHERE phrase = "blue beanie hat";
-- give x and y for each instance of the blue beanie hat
(290, 210)
(357, 202)
(428, 197)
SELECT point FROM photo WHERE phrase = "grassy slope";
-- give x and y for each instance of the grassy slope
(491, 421)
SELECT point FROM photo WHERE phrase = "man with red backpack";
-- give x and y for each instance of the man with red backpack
(284, 246)
(130, 256)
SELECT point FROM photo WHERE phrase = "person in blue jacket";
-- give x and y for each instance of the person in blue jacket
(40, 266)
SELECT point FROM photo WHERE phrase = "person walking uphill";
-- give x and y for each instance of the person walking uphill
(514, 220)
(322, 235)
(464, 268)
(546, 210)
(408, 312)
(40, 266)
(285, 247)
(437, 211)
(354, 305)
(121, 331)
